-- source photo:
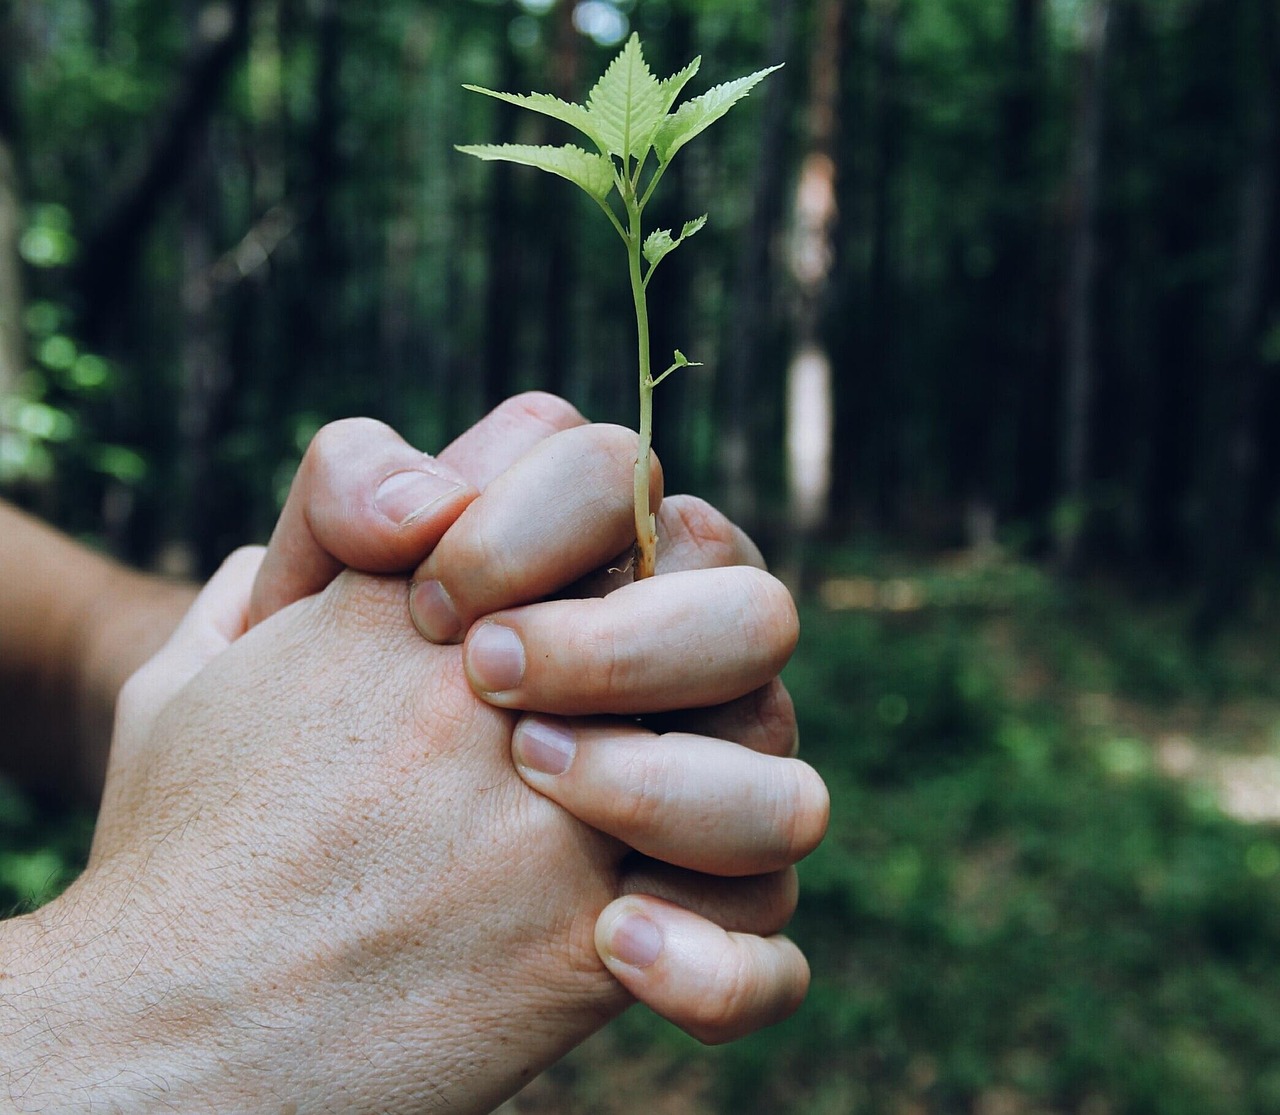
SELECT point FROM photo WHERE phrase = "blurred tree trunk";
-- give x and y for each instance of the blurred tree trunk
(12, 333)
(749, 316)
(557, 314)
(1232, 434)
(504, 250)
(1014, 371)
(881, 395)
(113, 247)
(1079, 358)
(195, 539)
(810, 417)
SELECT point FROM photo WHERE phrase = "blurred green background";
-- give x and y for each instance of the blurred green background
(1007, 272)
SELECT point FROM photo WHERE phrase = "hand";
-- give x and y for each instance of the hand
(508, 549)
(315, 860)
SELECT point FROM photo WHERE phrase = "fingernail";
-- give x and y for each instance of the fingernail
(495, 659)
(433, 612)
(405, 496)
(545, 746)
(634, 940)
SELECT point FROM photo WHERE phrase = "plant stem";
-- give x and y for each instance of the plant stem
(646, 524)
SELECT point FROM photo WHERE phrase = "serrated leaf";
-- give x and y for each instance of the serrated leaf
(694, 226)
(627, 104)
(660, 243)
(575, 115)
(694, 117)
(594, 173)
(673, 86)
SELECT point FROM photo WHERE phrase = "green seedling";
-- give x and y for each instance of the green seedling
(629, 116)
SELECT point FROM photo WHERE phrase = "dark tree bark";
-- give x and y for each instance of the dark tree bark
(114, 245)
(741, 372)
(1079, 358)
(504, 250)
(1232, 436)
(205, 368)
(1012, 374)
(558, 355)
(881, 395)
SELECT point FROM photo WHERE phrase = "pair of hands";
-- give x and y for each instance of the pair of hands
(319, 878)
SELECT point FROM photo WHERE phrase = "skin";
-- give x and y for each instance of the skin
(266, 875)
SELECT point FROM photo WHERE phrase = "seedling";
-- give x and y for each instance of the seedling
(628, 117)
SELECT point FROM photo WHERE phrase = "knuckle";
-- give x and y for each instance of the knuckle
(710, 532)
(725, 1011)
(646, 780)
(335, 439)
(775, 719)
(541, 406)
(608, 658)
(773, 612)
(801, 808)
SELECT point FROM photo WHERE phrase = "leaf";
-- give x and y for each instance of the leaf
(694, 117)
(658, 244)
(694, 226)
(627, 104)
(577, 116)
(674, 85)
(594, 173)
(661, 243)
(681, 361)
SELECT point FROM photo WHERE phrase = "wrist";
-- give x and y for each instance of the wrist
(78, 1023)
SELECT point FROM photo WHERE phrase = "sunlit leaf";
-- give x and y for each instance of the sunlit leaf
(694, 117)
(594, 173)
(575, 115)
(628, 103)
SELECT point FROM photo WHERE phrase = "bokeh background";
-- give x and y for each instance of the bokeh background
(990, 325)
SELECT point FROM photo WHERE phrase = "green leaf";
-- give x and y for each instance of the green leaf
(594, 173)
(694, 117)
(674, 85)
(694, 226)
(577, 116)
(681, 361)
(661, 243)
(628, 103)
(657, 244)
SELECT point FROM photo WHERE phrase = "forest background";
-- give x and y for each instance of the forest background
(990, 323)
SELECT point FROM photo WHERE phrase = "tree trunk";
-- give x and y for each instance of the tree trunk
(740, 374)
(558, 354)
(810, 418)
(1232, 441)
(114, 246)
(505, 249)
(1079, 372)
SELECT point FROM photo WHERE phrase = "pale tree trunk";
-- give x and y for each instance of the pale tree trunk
(1079, 373)
(810, 411)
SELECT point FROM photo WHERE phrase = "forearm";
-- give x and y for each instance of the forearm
(73, 626)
